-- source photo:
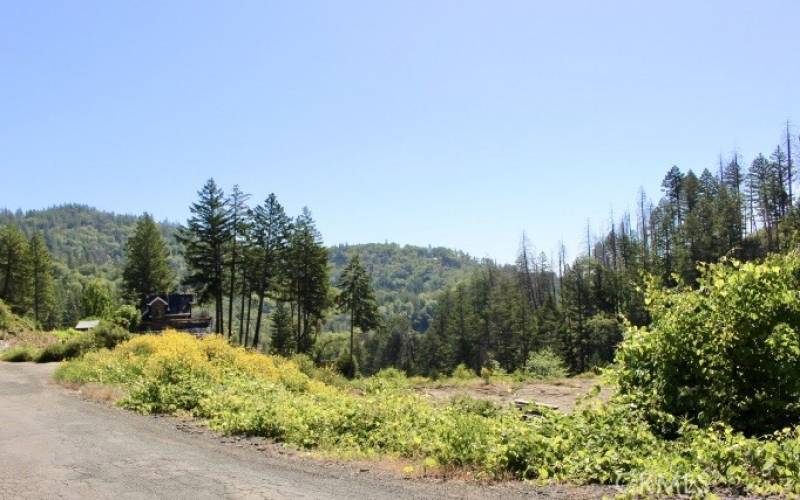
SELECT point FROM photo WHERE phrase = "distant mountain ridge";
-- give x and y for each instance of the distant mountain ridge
(91, 242)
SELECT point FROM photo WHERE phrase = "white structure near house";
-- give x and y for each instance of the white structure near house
(87, 324)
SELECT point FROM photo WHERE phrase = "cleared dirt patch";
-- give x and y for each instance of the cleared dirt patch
(563, 394)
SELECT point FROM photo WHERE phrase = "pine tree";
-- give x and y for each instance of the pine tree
(14, 269)
(270, 229)
(146, 268)
(248, 270)
(308, 281)
(204, 240)
(41, 281)
(357, 298)
(282, 339)
(673, 192)
(239, 217)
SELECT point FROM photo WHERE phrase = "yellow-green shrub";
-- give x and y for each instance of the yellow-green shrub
(238, 391)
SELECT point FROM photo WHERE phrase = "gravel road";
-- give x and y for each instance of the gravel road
(53, 444)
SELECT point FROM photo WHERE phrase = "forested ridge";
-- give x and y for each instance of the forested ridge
(87, 243)
(262, 273)
(502, 314)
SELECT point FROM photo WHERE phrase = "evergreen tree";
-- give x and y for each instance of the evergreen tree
(282, 339)
(204, 240)
(14, 269)
(146, 269)
(358, 299)
(308, 279)
(673, 192)
(239, 216)
(248, 270)
(270, 227)
(41, 281)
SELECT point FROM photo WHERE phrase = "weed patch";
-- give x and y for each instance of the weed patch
(242, 392)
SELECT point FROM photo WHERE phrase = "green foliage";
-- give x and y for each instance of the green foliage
(728, 351)
(18, 354)
(14, 269)
(270, 236)
(461, 372)
(242, 392)
(108, 334)
(347, 365)
(71, 348)
(324, 374)
(96, 299)
(69, 344)
(89, 242)
(356, 298)
(545, 364)
(146, 268)
(308, 278)
(404, 278)
(10, 323)
(40, 282)
(204, 241)
(282, 339)
(127, 316)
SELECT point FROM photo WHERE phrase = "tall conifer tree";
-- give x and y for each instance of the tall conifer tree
(14, 269)
(270, 227)
(146, 267)
(357, 299)
(41, 281)
(204, 240)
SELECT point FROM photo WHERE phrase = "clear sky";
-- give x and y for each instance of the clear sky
(452, 123)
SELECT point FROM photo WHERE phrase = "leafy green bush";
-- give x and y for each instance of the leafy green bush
(75, 344)
(71, 348)
(108, 335)
(347, 365)
(11, 323)
(545, 364)
(127, 317)
(728, 351)
(461, 372)
(18, 354)
(324, 374)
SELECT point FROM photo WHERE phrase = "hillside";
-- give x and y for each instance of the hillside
(405, 277)
(88, 242)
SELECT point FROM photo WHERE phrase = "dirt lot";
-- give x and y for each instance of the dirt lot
(54, 444)
(563, 394)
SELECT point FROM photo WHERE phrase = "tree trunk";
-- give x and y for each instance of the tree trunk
(249, 308)
(258, 317)
(352, 321)
(241, 311)
(233, 285)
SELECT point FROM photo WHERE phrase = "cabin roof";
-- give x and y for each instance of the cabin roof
(87, 324)
(157, 299)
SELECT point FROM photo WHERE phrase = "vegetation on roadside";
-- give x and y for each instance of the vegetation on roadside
(727, 351)
(46, 347)
(240, 391)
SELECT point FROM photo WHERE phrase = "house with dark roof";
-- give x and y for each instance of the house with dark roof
(161, 311)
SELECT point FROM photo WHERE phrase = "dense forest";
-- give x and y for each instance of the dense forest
(270, 282)
(89, 245)
(502, 314)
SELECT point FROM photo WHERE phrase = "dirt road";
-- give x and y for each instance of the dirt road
(53, 444)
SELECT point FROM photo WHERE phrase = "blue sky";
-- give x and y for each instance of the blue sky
(426, 122)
